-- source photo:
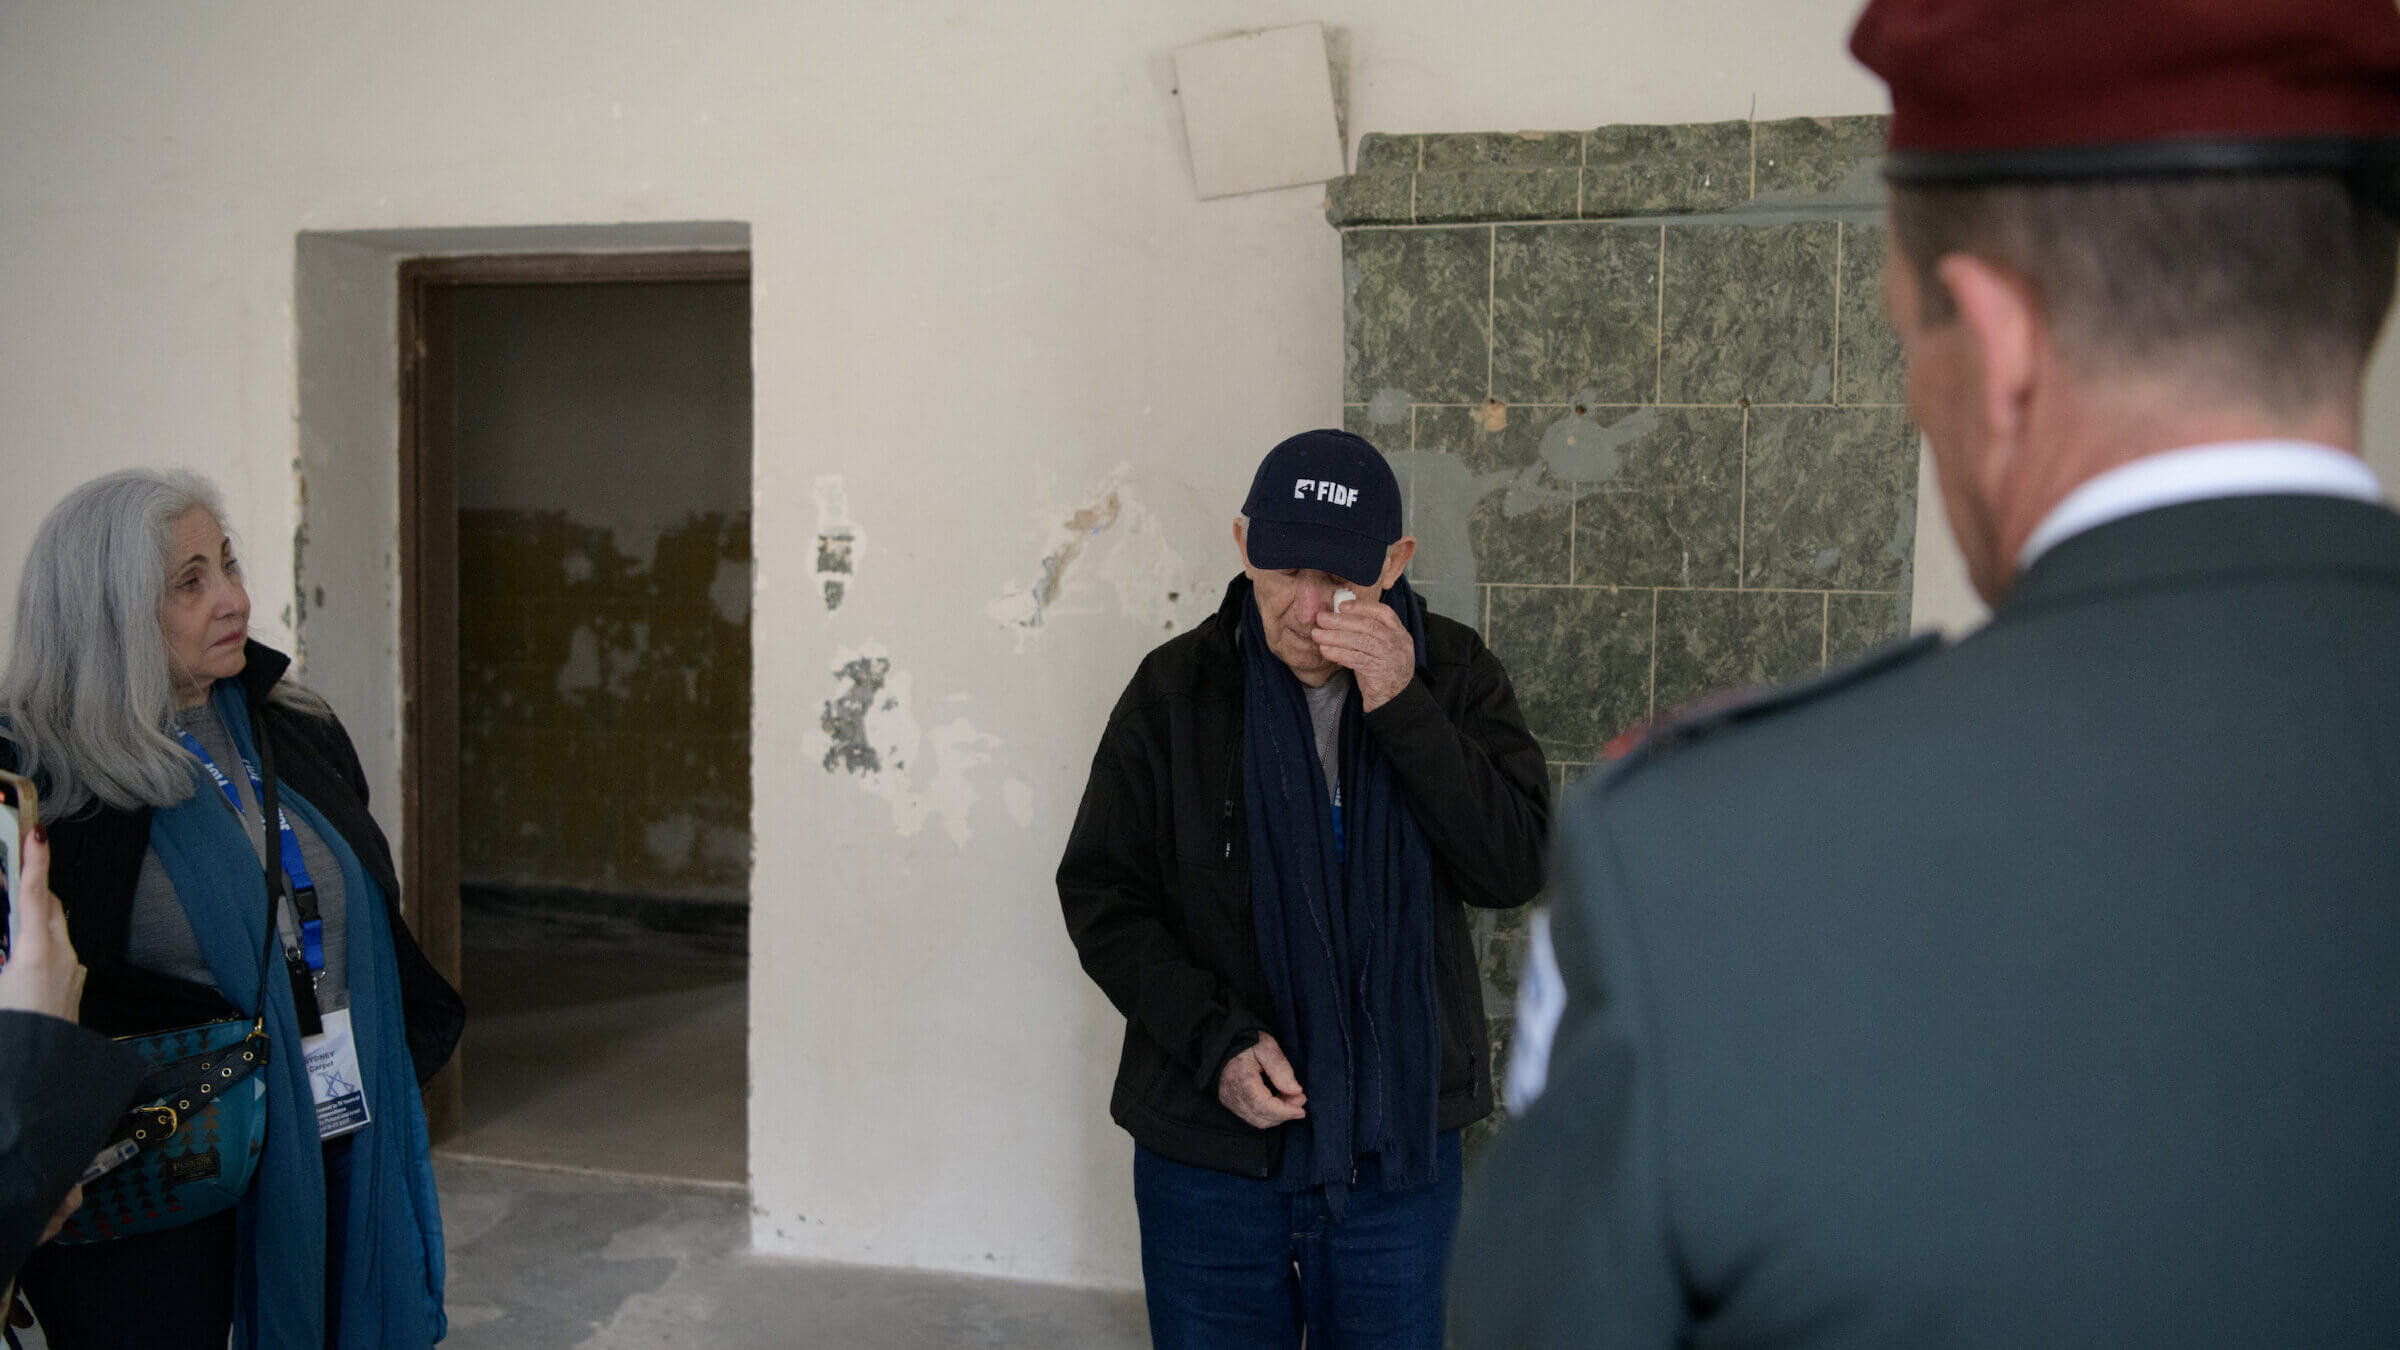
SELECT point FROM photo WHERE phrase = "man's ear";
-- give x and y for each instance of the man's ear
(1396, 560)
(1241, 544)
(2010, 338)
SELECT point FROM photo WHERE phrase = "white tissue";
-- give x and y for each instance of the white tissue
(1342, 597)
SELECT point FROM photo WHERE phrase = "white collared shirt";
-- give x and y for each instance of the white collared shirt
(2201, 472)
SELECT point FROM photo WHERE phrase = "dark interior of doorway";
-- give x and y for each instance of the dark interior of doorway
(576, 698)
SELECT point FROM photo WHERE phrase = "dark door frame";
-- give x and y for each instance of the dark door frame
(429, 571)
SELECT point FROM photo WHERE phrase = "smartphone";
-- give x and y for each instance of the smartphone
(19, 812)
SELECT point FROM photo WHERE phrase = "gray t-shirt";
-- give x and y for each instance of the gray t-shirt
(1325, 713)
(159, 934)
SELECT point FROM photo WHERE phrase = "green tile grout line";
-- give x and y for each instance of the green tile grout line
(1741, 529)
(1491, 306)
(1658, 368)
(1837, 314)
(1652, 699)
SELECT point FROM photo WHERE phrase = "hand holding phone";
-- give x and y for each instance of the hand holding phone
(42, 974)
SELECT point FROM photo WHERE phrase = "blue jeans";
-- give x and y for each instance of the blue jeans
(1230, 1263)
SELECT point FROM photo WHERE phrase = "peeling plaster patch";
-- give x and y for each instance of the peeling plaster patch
(637, 540)
(1580, 448)
(871, 730)
(1902, 546)
(582, 668)
(1388, 408)
(296, 618)
(957, 747)
(669, 841)
(1579, 453)
(840, 543)
(1111, 538)
(725, 847)
(729, 591)
(1018, 797)
(1081, 526)
(845, 716)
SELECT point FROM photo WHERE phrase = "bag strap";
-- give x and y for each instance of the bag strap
(173, 1093)
(304, 996)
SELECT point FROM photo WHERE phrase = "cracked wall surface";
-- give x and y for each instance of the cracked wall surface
(1645, 410)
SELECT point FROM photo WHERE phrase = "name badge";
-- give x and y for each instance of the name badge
(334, 1078)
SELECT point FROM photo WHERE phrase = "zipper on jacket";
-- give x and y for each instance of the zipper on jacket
(1233, 761)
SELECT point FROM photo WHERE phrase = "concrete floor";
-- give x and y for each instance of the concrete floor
(605, 1049)
(567, 1261)
(596, 1199)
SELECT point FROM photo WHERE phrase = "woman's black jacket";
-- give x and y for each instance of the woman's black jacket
(96, 857)
(1155, 883)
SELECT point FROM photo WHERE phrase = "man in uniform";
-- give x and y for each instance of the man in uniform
(1289, 810)
(2041, 990)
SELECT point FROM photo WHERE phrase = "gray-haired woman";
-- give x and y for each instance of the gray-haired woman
(136, 700)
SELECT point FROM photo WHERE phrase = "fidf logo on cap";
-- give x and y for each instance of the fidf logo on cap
(1323, 500)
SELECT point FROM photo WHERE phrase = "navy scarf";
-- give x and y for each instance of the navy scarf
(1345, 933)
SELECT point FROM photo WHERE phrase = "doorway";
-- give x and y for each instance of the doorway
(575, 611)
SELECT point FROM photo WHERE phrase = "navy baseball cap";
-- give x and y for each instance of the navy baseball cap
(1325, 501)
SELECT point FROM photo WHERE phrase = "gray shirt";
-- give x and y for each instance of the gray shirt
(159, 934)
(1325, 713)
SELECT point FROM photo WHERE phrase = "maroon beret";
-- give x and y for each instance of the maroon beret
(2018, 90)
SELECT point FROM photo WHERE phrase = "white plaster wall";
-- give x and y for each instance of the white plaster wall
(985, 299)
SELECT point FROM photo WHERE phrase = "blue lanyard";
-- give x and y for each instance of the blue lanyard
(295, 868)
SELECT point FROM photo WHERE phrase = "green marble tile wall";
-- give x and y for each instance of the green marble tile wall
(604, 706)
(1640, 393)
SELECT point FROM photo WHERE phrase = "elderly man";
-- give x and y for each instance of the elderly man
(2043, 990)
(1289, 809)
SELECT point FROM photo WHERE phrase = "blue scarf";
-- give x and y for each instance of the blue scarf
(392, 1270)
(1345, 930)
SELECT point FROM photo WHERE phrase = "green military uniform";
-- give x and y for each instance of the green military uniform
(2039, 990)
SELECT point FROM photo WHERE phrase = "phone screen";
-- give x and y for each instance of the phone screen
(17, 807)
(9, 855)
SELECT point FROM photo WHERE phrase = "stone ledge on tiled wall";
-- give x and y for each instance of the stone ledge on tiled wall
(1611, 173)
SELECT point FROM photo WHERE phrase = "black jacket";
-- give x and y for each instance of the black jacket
(65, 1089)
(96, 857)
(1156, 879)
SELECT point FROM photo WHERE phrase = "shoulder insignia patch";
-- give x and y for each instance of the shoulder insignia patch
(1712, 713)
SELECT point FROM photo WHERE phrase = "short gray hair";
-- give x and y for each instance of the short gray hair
(2269, 287)
(87, 696)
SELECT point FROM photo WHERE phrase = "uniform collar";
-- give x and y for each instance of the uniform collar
(2213, 541)
(2199, 473)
